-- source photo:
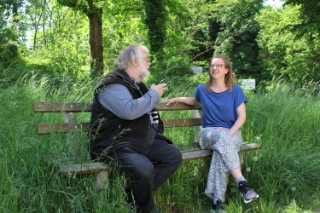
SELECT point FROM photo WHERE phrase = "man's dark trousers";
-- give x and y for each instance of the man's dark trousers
(149, 171)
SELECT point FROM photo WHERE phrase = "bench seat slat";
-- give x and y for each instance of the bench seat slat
(249, 147)
(95, 167)
(84, 168)
(201, 154)
(246, 146)
(198, 154)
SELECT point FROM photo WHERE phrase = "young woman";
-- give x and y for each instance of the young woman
(223, 114)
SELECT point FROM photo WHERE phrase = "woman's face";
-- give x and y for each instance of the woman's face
(218, 68)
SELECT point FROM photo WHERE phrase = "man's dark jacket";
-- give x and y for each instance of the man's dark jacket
(108, 132)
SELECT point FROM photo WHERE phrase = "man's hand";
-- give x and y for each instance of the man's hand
(160, 88)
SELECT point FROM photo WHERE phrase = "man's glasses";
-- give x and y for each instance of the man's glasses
(218, 66)
(146, 60)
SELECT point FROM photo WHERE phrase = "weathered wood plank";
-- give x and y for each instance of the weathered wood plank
(249, 147)
(181, 122)
(46, 128)
(95, 167)
(84, 168)
(194, 155)
(61, 107)
(201, 154)
(246, 146)
(177, 106)
(86, 107)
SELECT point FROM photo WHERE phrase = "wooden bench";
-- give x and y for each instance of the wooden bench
(71, 125)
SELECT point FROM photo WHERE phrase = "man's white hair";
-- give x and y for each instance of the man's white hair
(128, 54)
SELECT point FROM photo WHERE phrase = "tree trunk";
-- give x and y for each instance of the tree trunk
(156, 23)
(94, 13)
(96, 48)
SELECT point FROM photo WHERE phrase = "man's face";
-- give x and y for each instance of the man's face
(143, 67)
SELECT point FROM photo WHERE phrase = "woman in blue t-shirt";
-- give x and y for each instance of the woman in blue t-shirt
(223, 114)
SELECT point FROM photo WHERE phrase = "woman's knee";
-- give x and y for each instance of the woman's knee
(208, 138)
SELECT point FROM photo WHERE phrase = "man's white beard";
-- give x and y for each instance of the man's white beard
(143, 73)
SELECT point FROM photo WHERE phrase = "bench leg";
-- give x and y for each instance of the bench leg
(101, 181)
(241, 158)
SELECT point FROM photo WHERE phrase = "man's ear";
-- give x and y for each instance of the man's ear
(135, 62)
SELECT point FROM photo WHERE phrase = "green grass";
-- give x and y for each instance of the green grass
(286, 171)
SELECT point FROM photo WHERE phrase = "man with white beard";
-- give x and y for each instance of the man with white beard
(127, 131)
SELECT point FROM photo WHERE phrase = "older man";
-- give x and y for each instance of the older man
(126, 128)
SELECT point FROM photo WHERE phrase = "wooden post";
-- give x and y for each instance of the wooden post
(102, 180)
(197, 129)
(73, 138)
(241, 158)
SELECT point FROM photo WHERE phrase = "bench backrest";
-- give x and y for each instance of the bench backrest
(71, 123)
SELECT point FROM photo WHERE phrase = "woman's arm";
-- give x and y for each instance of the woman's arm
(185, 100)
(241, 114)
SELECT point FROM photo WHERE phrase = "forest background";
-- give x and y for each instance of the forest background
(57, 50)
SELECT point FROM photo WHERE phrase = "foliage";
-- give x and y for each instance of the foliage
(285, 171)
(63, 52)
(310, 10)
(282, 51)
(9, 32)
(8, 48)
(190, 32)
(237, 36)
(117, 33)
(93, 10)
(155, 19)
(281, 117)
(284, 116)
(203, 30)
(177, 46)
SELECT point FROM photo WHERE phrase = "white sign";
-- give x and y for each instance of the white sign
(247, 84)
(196, 69)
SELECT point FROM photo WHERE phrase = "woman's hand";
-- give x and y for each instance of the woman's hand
(186, 100)
(170, 101)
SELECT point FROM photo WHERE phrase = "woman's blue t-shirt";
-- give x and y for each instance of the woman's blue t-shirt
(219, 109)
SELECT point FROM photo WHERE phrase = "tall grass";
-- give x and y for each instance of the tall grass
(286, 172)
